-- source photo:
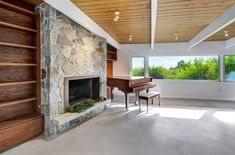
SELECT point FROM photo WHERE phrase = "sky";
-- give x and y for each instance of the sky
(167, 62)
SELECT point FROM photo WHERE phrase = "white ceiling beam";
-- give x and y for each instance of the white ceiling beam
(230, 42)
(73, 12)
(153, 21)
(221, 22)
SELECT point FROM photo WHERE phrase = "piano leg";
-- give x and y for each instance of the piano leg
(111, 93)
(137, 98)
(126, 100)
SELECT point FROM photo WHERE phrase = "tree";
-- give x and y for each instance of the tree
(138, 71)
(198, 69)
(229, 64)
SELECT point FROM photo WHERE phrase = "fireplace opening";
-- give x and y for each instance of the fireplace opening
(82, 88)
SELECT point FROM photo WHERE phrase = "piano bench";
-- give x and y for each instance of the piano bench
(150, 95)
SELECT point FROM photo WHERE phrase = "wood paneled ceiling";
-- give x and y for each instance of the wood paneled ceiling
(134, 17)
(33, 2)
(187, 17)
(219, 36)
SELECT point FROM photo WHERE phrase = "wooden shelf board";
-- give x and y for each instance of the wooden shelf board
(111, 59)
(17, 45)
(112, 52)
(16, 8)
(18, 120)
(10, 103)
(17, 64)
(9, 25)
(17, 83)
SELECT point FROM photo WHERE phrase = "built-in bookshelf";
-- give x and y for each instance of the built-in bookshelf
(20, 74)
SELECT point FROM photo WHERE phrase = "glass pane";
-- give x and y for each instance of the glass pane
(229, 67)
(184, 67)
(137, 66)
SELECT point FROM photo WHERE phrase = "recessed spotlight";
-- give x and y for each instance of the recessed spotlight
(130, 38)
(116, 15)
(176, 34)
(226, 33)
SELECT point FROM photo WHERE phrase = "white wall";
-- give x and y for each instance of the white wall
(213, 90)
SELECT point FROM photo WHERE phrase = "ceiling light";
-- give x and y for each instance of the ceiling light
(176, 34)
(116, 15)
(130, 38)
(226, 33)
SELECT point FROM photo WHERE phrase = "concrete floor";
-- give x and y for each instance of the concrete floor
(178, 127)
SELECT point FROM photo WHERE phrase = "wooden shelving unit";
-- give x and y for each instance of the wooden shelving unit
(111, 57)
(111, 53)
(20, 79)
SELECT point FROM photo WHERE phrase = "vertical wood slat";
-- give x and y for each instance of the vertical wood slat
(38, 58)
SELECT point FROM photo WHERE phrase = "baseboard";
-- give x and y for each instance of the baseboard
(189, 97)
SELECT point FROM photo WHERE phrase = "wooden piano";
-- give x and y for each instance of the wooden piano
(128, 84)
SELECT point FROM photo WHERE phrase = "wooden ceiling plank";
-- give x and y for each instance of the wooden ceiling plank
(188, 17)
(230, 42)
(222, 21)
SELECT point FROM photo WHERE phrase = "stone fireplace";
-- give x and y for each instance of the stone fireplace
(81, 88)
(69, 52)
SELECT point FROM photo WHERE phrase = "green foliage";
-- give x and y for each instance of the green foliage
(138, 71)
(83, 105)
(199, 69)
(229, 65)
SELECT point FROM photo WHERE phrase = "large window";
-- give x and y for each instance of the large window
(229, 64)
(137, 66)
(184, 67)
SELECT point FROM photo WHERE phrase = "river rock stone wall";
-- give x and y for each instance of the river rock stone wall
(67, 49)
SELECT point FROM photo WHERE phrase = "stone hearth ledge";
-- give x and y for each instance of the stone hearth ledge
(69, 120)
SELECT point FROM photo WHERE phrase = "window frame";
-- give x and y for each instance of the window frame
(131, 65)
(224, 74)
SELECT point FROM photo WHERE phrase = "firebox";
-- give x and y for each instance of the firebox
(80, 88)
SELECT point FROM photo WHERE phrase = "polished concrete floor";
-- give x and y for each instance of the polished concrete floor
(178, 127)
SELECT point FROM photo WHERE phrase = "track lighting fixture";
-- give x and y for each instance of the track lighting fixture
(130, 38)
(226, 33)
(116, 15)
(176, 34)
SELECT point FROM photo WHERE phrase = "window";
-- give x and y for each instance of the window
(229, 64)
(184, 67)
(137, 66)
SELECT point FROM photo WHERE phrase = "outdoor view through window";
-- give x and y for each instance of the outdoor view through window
(137, 66)
(229, 62)
(179, 68)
